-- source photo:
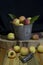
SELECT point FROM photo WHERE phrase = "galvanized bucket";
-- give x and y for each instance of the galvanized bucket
(23, 32)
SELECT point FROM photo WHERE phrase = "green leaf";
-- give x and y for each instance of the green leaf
(12, 16)
(34, 19)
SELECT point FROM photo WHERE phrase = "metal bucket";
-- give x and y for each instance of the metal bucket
(23, 32)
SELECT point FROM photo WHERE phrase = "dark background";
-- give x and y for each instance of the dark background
(18, 8)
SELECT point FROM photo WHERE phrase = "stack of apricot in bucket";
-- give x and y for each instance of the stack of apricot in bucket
(22, 20)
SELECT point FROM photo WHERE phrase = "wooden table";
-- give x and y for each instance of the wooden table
(2, 55)
(4, 60)
(36, 60)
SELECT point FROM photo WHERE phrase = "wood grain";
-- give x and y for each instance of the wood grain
(36, 60)
(2, 54)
